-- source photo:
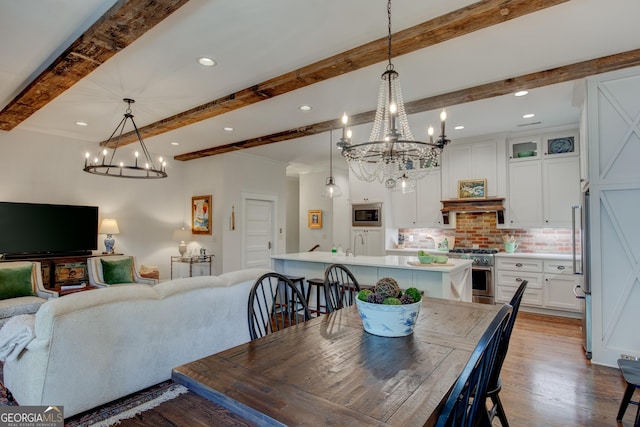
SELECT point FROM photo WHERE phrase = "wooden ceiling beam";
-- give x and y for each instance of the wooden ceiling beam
(460, 22)
(120, 26)
(501, 87)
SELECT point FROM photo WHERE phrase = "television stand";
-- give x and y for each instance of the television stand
(61, 269)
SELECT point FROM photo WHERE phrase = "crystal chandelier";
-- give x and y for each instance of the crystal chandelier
(112, 167)
(391, 154)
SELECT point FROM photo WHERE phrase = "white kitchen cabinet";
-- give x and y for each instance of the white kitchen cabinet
(473, 160)
(550, 283)
(420, 208)
(559, 282)
(525, 194)
(561, 189)
(365, 192)
(542, 188)
(511, 272)
(373, 241)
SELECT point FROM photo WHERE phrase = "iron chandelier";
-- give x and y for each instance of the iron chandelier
(146, 169)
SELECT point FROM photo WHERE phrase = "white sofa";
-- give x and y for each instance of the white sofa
(95, 346)
(26, 304)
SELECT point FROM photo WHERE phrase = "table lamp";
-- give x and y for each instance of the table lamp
(182, 235)
(109, 227)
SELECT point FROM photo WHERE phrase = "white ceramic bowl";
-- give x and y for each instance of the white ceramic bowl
(388, 320)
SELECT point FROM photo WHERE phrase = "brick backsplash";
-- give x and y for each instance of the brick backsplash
(479, 228)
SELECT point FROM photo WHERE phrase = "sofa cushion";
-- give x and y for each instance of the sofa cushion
(118, 271)
(16, 282)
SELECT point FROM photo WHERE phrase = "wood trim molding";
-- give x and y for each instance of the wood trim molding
(489, 90)
(120, 26)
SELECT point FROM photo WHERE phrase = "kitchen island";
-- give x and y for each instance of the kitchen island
(450, 281)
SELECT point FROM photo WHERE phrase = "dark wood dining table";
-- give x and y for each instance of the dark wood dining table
(329, 371)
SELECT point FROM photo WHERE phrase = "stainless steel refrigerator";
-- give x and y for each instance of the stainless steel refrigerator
(581, 258)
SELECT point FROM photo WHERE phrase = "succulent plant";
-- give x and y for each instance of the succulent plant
(388, 292)
(363, 294)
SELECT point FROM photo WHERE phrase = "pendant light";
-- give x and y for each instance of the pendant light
(331, 189)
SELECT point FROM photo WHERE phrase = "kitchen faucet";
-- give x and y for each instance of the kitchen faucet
(354, 242)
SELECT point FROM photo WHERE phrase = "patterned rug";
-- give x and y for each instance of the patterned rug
(121, 409)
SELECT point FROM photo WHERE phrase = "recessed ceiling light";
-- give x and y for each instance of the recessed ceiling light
(175, 143)
(528, 116)
(459, 127)
(305, 107)
(81, 123)
(207, 62)
(228, 129)
(521, 93)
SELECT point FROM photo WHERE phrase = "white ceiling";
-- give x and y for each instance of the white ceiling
(255, 40)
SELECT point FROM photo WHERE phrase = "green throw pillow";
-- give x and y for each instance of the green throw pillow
(16, 282)
(120, 271)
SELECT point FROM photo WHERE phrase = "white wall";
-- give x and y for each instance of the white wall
(48, 169)
(293, 220)
(41, 168)
(336, 212)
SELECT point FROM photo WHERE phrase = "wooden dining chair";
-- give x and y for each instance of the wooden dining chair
(631, 373)
(495, 384)
(466, 404)
(274, 304)
(340, 287)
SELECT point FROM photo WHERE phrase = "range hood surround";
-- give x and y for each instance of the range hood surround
(490, 204)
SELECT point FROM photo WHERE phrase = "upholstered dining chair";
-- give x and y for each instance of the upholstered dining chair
(340, 287)
(466, 404)
(274, 304)
(495, 384)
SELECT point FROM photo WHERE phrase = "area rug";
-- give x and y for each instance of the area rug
(121, 409)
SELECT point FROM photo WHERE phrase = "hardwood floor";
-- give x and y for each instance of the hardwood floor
(547, 382)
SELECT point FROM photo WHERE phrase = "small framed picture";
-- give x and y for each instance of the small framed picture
(201, 214)
(472, 189)
(314, 218)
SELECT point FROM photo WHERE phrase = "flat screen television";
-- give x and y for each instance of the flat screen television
(34, 229)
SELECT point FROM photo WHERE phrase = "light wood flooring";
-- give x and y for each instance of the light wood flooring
(547, 382)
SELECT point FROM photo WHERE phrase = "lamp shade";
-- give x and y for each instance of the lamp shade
(181, 234)
(109, 226)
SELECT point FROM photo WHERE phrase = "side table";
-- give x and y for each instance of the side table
(191, 261)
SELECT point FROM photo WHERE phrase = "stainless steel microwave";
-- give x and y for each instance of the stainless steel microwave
(366, 215)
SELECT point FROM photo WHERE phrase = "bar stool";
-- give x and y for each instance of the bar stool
(631, 373)
(319, 285)
(298, 280)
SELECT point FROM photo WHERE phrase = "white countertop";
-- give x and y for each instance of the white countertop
(389, 261)
(538, 255)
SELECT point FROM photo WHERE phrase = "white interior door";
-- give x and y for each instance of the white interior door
(258, 233)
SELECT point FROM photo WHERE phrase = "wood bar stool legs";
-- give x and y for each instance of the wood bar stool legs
(631, 373)
(319, 285)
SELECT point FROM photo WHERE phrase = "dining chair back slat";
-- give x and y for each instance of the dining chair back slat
(466, 404)
(495, 384)
(340, 287)
(274, 304)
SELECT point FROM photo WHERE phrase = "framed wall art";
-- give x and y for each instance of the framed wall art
(314, 219)
(472, 189)
(201, 207)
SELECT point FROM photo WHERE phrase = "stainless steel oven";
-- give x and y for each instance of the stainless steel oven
(366, 215)
(482, 277)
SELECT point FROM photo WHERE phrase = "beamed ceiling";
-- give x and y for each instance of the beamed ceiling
(75, 60)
